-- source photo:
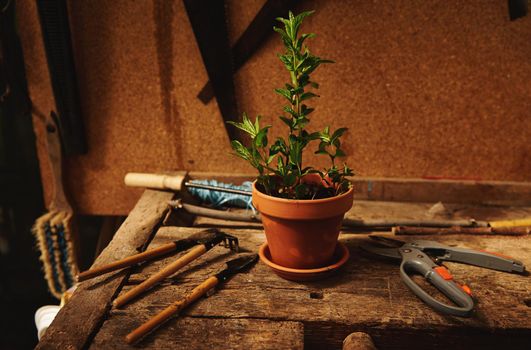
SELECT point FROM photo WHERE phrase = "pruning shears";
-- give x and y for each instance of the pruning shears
(423, 257)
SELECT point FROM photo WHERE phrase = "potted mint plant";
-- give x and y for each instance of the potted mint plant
(302, 207)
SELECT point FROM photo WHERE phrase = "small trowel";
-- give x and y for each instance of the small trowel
(243, 262)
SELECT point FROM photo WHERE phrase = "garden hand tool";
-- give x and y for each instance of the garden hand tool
(178, 183)
(506, 231)
(245, 216)
(424, 257)
(240, 196)
(175, 246)
(53, 231)
(204, 246)
(217, 193)
(233, 266)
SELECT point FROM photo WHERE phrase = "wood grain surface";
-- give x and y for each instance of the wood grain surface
(257, 309)
(427, 88)
(204, 333)
(367, 295)
(80, 318)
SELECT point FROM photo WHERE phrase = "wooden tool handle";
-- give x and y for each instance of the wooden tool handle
(171, 310)
(508, 231)
(129, 261)
(159, 276)
(511, 223)
(53, 144)
(158, 181)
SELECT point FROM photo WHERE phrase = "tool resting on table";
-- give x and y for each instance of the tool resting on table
(233, 266)
(423, 257)
(175, 246)
(202, 246)
(178, 182)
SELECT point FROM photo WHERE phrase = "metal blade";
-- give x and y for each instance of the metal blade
(388, 242)
(239, 264)
(386, 252)
(242, 262)
(196, 238)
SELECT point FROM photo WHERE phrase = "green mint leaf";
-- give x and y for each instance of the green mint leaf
(280, 166)
(338, 133)
(286, 93)
(307, 95)
(340, 153)
(305, 110)
(313, 136)
(290, 111)
(303, 38)
(241, 150)
(287, 121)
(260, 140)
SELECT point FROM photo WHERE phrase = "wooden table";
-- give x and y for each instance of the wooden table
(257, 309)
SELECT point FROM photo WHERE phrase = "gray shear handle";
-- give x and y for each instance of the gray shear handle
(484, 259)
(419, 263)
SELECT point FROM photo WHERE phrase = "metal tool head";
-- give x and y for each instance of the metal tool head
(231, 242)
(213, 237)
(210, 238)
(426, 244)
(384, 246)
(388, 252)
(388, 242)
(242, 262)
(195, 239)
(205, 235)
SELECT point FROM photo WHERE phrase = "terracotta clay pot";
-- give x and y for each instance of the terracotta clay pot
(302, 234)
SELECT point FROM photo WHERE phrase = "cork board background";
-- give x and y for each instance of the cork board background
(426, 88)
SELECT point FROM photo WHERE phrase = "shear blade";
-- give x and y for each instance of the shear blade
(387, 252)
(388, 242)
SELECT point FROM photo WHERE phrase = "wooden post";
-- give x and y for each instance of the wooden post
(358, 341)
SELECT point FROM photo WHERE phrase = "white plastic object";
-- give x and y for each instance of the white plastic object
(44, 317)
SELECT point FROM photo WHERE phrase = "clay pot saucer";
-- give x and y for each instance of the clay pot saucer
(341, 256)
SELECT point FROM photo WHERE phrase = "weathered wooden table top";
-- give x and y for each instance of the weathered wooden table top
(258, 309)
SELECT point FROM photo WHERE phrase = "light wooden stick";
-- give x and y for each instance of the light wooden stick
(158, 181)
(511, 223)
(129, 261)
(171, 310)
(159, 276)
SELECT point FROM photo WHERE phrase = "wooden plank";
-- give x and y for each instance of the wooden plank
(201, 333)
(447, 191)
(367, 295)
(419, 190)
(83, 314)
